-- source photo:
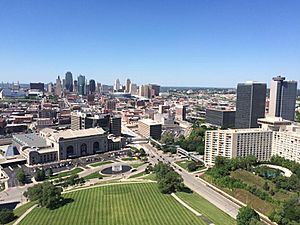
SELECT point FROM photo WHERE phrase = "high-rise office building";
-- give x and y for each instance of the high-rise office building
(92, 86)
(283, 96)
(180, 112)
(145, 91)
(75, 86)
(81, 85)
(58, 87)
(127, 85)
(37, 86)
(250, 104)
(49, 87)
(155, 89)
(69, 81)
(133, 89)
(117, 86)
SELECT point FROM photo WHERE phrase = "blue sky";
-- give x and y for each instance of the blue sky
(179, 43)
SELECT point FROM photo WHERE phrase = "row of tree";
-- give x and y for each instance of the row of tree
(46, 194)
(194, 142)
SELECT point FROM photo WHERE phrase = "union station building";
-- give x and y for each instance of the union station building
(51, 145)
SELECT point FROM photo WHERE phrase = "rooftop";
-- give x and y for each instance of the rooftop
(149, 122)
(274, 121)
(69, 133)
(31, 140)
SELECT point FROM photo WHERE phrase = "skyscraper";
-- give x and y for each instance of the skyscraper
(127, 85)
(75, 85)
(283, 96)
(250, 104)
(155, 89)
(81, 85)
(92, 86)
(69, 81)
(133, 89)
(181, 112)
(117, 86)
(58, 87)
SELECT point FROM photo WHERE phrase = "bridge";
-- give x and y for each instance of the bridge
(137, 140)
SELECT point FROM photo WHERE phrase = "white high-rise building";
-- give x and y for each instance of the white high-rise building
(238, 143)
(117, 86)
(287, 143)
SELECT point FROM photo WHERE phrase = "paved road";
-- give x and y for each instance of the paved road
(195, 184)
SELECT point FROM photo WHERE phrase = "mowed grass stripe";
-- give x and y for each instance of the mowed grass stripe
(125, 204)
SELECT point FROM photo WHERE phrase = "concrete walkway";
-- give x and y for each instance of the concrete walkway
(286, 171)
(24, 215)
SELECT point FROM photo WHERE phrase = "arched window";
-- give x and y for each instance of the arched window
(96, 147)
(83, 149)
(70, 151)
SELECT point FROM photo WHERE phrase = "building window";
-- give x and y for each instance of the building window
(83, 149)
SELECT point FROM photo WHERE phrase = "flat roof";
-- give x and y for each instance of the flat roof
(30, 139)
(149, 122)
(70, 134)
(221, 110)
(241, 131)
(274, 121)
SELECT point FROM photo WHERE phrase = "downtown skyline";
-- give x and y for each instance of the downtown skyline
(204, 44)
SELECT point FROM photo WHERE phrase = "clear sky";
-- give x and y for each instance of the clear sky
(169, 42)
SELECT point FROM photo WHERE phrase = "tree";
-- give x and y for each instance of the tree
(20, 176)
(39, 175)
(129, 154)
(247, 216)
(171, 183)
(142, 152)
(192, 166)
(266, 186)
(297, 117)
(49, 172)
(167, 138)
(168, 180)
(46, 194)
(6, 216)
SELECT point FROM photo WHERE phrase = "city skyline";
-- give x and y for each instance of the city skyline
(203, 44)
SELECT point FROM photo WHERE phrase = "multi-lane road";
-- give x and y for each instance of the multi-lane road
(195, 183)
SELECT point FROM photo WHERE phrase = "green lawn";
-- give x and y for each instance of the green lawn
(250, 178)
(127, 204)
(93, 176)
(138, 175)
(21, 210)
(255, 180)
(129, 159)
(217, 216)
(101, 163)
(66, 173)
(136, 165)
(247, 198)
(151, 176)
